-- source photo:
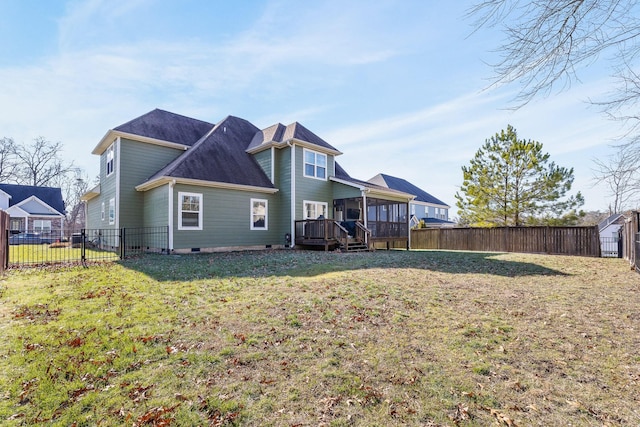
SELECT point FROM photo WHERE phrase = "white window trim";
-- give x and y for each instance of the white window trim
(266, 214)
(112, 202)
(182, 194)
(306, 202)
(102, 212)
(304, 165)
(110, 153)
(41, 223)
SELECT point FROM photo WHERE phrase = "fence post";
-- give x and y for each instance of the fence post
(167, 227)
(123, 251)
(83, 243)
(5, 261)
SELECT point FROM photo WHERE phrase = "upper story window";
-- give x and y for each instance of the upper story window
(259, 214)
(190, 211)
(441, 213)
(315, 164)
(110, 152)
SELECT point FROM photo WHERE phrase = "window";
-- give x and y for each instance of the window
(110, 159)
(190, 211)
(102, 212)
(42, 225)
(112, 211)
(259, 214)
(15, 224)
(441, 213)
(315, 164)
(313, 210)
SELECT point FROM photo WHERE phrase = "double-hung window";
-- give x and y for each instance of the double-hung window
(190, 211)
(110, 153)
(313, 210)
(315, 164)
(259, 214)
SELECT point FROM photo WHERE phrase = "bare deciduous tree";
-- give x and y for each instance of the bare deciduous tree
(7, 160)
(547, 40)
(73, 186)
(620, 173)
(40, 164)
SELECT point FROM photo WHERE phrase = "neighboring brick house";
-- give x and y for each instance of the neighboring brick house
(232, 185)
(33, 209)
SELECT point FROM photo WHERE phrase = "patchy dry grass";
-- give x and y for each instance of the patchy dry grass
(292, 338)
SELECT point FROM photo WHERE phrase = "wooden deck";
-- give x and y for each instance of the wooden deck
(332, 235)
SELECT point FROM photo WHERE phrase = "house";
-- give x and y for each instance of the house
(33, 209)
(425, 207)
(231, 185)
(609, 230)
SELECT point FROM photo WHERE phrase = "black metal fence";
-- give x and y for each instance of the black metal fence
(30, 249)
(610, 247)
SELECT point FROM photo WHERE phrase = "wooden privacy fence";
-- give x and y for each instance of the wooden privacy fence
(583, 241)
(631, 240)
(4, 240)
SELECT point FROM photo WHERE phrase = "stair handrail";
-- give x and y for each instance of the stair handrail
(343, 234)
(367, 233)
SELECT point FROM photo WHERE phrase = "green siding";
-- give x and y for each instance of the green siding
(226, 220)
(312, 189)
(94, 209)
(156, 207)
(107, 191)
(139, 161)
(264, 160)
(341, 191)
(283, 184)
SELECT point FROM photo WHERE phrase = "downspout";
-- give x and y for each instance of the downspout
(170, 217)
(117, 167)
(409, 224)
(293, 192)
(273, 166)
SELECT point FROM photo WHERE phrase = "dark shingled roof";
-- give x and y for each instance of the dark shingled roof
(50, 195)
(220, 156)
(281, 133)
(167, 126)
(437, 221)
(405, 186)
(343, 175)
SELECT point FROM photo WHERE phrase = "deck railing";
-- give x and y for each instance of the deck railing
(329, 232)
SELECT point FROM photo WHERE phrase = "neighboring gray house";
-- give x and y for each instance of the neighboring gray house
(231, 185)
(609, 230)
(33, 209)
(433, 211)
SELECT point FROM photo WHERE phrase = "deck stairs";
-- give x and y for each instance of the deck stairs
(354, 245)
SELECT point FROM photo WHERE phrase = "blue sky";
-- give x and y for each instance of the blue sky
(397, 86)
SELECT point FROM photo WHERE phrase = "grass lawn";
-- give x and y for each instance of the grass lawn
(25, 255)
(290, 338)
